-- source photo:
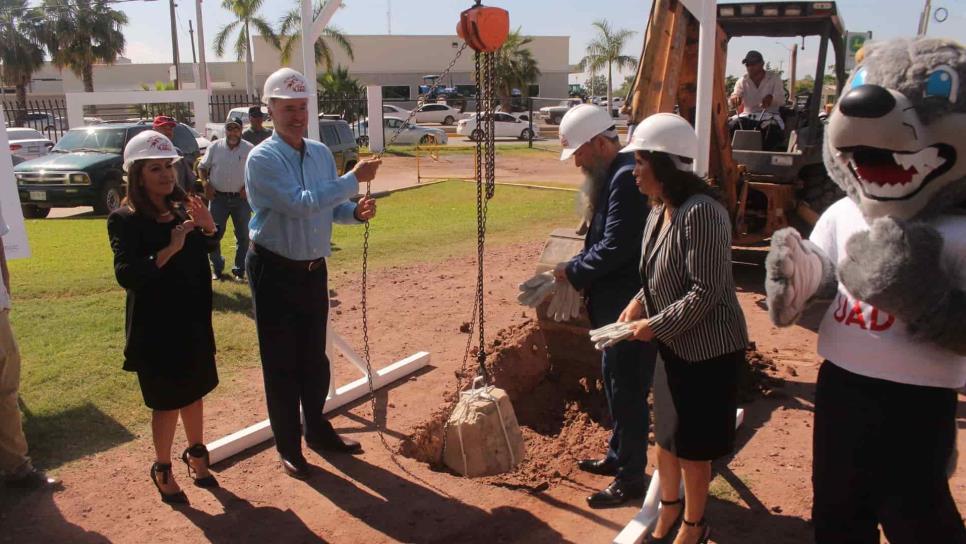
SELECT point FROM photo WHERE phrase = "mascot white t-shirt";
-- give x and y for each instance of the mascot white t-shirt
(867, 341)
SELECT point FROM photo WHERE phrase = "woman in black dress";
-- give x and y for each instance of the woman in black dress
(694, 317)
(160, 238)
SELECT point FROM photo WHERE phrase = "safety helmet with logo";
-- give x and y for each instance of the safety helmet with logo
(285, 83)
(665, 133)
(149, 145)
(579, 126)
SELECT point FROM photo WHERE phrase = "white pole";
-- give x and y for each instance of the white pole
(376, 136)
(308, 68)
(202, 65)
(707, 16)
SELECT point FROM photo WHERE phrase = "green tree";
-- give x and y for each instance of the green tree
(246, 18)
(179, 110)
(596, 85)
(515, 68)
(730, 82)
(626, 86)
(341, 94)
(290, 35)
(81, 33)
(606, 51)
(21, 49)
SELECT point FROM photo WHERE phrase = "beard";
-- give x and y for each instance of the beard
(595, 179)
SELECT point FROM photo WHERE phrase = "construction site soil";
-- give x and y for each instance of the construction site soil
(761, 493)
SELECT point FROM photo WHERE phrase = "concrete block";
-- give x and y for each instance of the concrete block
(482, 436)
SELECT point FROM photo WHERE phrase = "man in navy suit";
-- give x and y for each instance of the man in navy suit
(606, 271)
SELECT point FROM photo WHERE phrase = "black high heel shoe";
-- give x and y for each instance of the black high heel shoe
(164, 469)
(199, 451)
(652, 539)
(705, 535)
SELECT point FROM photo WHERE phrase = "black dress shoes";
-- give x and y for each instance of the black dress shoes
(296, 468)
(616, 494)
(334, 443)
(604, 467)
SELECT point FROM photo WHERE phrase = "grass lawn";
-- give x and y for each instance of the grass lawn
(539, 149)
(68, 311)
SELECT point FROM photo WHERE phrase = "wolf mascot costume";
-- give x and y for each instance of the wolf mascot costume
(891, 257)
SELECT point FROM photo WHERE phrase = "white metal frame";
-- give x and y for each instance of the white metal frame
(643, 523)
(705, 11)
(338, 397)
(15, 244)
(77, 101)
(313, 29)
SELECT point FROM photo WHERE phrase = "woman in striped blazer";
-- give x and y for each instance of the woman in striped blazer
(692, 314)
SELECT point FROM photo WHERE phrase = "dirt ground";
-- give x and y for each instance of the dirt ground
(761, 496)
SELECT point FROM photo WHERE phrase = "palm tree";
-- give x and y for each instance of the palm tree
(21, 50)
(289, 34)
(81, 33)
(246, 17)
(340, 93)
(606, 50)
(515, 67)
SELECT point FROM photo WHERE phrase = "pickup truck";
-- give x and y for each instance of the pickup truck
(84, 168)
(213, 131)
(553, 114)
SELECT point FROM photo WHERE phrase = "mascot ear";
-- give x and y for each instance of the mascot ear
(860, 55)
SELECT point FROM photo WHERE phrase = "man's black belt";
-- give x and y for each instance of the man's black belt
(223, 193)
(275, 258)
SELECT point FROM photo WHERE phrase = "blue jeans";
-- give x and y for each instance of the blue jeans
(222, 207)
(627, 369)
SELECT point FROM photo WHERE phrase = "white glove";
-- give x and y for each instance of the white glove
(566, 302)
(536, 289)
(794, 273)
(609, 335)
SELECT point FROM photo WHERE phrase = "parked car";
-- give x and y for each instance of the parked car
(393, 110)
(213, 131)
(44, 121)
(28, 143)
(437, 113)
(338, 137)
(504, 124)
(82, 169)
(553, 114)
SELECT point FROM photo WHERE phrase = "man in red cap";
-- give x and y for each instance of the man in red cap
(186, 177)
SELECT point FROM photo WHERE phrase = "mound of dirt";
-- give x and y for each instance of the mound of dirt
(760, 377)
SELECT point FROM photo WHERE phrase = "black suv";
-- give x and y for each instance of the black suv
(84, 169)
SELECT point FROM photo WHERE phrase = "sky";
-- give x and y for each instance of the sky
(149, 37)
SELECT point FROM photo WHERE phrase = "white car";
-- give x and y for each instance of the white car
(437, 113)
(411, 134)
(391, 110)
(44, 121)
(213, 131)
(504, 124)
(28, 143)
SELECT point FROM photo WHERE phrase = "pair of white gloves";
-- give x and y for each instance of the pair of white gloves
(608, 335)
(566, 301)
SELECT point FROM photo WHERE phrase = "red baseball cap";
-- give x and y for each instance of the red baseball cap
(164, 121)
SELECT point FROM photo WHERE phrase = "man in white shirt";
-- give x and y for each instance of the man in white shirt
(759, 94)
(14, 463)
(223, 169)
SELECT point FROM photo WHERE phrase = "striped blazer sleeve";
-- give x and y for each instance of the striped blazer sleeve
(707, 239)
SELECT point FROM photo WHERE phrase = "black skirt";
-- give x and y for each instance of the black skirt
(695, 404)
(177, 387)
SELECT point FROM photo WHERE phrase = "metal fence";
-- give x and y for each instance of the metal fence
(47, 116)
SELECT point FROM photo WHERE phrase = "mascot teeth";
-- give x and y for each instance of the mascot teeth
(923, 162)
(892, 175)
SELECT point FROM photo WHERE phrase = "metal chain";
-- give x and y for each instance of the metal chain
(412, 113)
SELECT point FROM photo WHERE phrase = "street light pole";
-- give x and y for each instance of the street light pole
(174, 46)
(924, 18)
(202, 65)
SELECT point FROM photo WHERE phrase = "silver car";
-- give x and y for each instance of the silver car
(412, 134)
(28, 143)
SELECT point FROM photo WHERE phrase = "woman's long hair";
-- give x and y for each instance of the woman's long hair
(677, 186)
(137, 198)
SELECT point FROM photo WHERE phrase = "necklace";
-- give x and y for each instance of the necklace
(165, 214)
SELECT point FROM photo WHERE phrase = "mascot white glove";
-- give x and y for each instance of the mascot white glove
(609, 335)
(536, 289)
(564, 305)
(794, 274)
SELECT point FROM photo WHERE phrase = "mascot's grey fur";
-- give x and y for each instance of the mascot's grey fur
(897, 146)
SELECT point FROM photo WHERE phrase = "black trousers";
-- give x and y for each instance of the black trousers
(291, 310)
(627, 369)
(880, 454)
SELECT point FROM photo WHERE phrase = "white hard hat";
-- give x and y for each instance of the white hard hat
(149, 145)
(664, 132)
(285, 83)
(579, 126)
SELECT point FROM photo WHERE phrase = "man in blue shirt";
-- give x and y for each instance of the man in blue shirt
(295, 194)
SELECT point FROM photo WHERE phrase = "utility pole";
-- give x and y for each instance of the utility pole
(191, 32)
(389, 16)
(791, 76)
(924, 18)
(174, 46)
(202, 66)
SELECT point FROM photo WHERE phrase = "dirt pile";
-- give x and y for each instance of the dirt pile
(760, 377)
(559, 404)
